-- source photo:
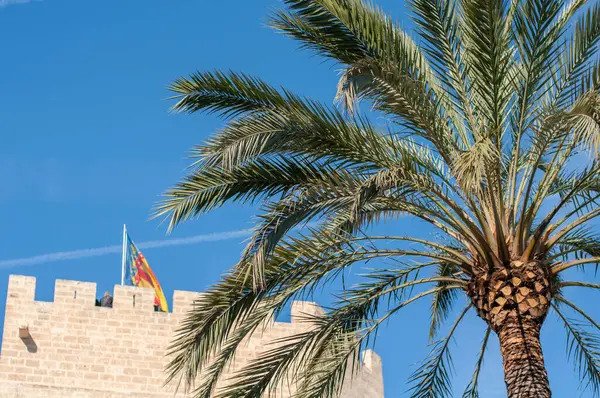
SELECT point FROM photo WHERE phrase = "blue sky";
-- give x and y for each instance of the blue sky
(87, 144)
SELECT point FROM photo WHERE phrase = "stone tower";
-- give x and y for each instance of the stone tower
(69, 348)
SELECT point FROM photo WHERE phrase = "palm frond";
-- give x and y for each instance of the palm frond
(442, 301)
(533, 26)
(275, 121)
(581, 312)
(563, 284)
(578, 244)
(382, 61)
(489, 116)
(472, 390)
(340, 199)
(438, 25)
(217, 312)
(319, 358)
(574, 263)
(412, 103)
(583, 347)
(350, 31)
(472, 166)
(432, 379)
(574, 234)
(297, 267)
(488, 60)
(325, 375)
(209, 188)
(229, 94)
(575, 56)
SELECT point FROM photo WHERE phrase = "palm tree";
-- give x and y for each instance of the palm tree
(491, 115)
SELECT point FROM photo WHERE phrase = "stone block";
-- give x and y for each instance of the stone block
(134, 299)
(74, 293)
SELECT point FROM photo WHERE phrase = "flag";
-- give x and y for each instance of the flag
(139, 273)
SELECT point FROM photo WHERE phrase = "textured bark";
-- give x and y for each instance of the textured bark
(514, 301)
(524, 371)
(521, 290)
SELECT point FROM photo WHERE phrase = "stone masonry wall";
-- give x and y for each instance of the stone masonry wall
(73, 349)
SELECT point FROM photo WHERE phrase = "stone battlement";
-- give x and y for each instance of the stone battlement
(70, 347)
(128, 299)
(75, 294)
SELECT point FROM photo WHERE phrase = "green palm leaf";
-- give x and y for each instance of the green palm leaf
(583, 347)
(472, 390)
(432, 379)
(491, 141)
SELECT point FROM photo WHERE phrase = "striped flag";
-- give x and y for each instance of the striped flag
(139, 273)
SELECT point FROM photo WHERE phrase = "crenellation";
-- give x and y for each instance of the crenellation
(183, 301)
(130, 298)
(74, 293)
(371, 360)
(70, 348)
(21, 288)
(303, 311)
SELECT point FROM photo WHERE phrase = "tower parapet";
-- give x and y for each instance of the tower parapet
(71, 348)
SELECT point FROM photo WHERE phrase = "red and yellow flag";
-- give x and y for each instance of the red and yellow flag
(140, 274)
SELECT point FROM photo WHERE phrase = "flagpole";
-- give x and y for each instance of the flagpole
(123, 258)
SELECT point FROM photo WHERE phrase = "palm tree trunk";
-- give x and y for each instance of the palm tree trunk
(524, 370)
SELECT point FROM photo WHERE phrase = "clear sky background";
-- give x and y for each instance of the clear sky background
(87, 144)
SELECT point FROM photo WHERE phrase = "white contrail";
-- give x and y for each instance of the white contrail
(101, 251)
(6, 3)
